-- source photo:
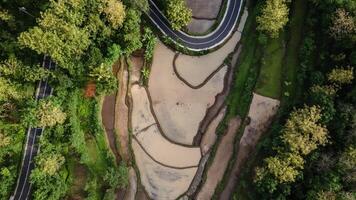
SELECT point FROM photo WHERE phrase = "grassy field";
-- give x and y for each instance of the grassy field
(96, 157)
(291, 62)
(269, 81)
(247, 71)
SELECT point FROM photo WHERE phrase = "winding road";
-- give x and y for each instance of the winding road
(194, 43)
(23, 187)
(199, 43)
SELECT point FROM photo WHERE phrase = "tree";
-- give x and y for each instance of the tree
(324, 96)
(141, 4)
(343, 24)
(283, 167)
(9, 90)
(347, 163)
(117, 176)
(178, 13)
(132, 33)
(57, 37)
(103, 75)
(303, 133)
(115, 12)
(50, 114)
(149, 40)
(4, 140)
(273, 17)
(5, 15)
(14, 69)
(341, 76)
(50, 164)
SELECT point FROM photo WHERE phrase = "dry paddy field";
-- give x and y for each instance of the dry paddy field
(165, 117)
(178, 107)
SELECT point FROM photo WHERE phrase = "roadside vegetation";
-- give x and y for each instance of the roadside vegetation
(177, 12)
(84, 38)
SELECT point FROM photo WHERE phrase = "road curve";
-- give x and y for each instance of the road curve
(23, 187)
(198, 43)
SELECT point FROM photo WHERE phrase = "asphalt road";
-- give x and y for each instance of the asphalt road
(195, 43)
(198, 43)
(23, 187)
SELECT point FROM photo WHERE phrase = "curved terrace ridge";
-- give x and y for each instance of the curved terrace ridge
(198, 43)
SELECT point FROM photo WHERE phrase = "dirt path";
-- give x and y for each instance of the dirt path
(122, 113)
(262, 111)
(223, 154)
(132, 189)
(108, 118)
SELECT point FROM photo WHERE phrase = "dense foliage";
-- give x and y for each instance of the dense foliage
(310, 151)
(178, 13)
(84, 38)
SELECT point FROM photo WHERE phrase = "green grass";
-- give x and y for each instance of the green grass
(96, 162)
(95, 155)
(291, 62)
(269, 81)
(247, 71)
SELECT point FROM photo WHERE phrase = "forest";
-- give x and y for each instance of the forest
(85, 38)
(309, 152)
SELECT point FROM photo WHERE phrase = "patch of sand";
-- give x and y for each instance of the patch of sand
(141, 115)
(204, 8)
(165, 152)
(161, 182)
(195, 69)
(209, 137)
(200, 26)
(243, 19)
(132, 189)
(262, 111)
(179, 109)
(223, 154)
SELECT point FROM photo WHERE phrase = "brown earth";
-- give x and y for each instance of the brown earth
(210, 136)
(221, 160)
(200, 26)
(108, 118)
(77, 189)
(132, 189)
(213, 111)
(122, 113)
(205, 9)
(262, 111)
(179, 108)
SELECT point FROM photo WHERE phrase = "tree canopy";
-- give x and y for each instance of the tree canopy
(273, 17)
(178, 13)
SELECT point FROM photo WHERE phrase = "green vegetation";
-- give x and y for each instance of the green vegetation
(303, 155)
(178, 13)
(270, 78)
(84, 38)
(273, 17)
(247, 71)
(291, 58)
